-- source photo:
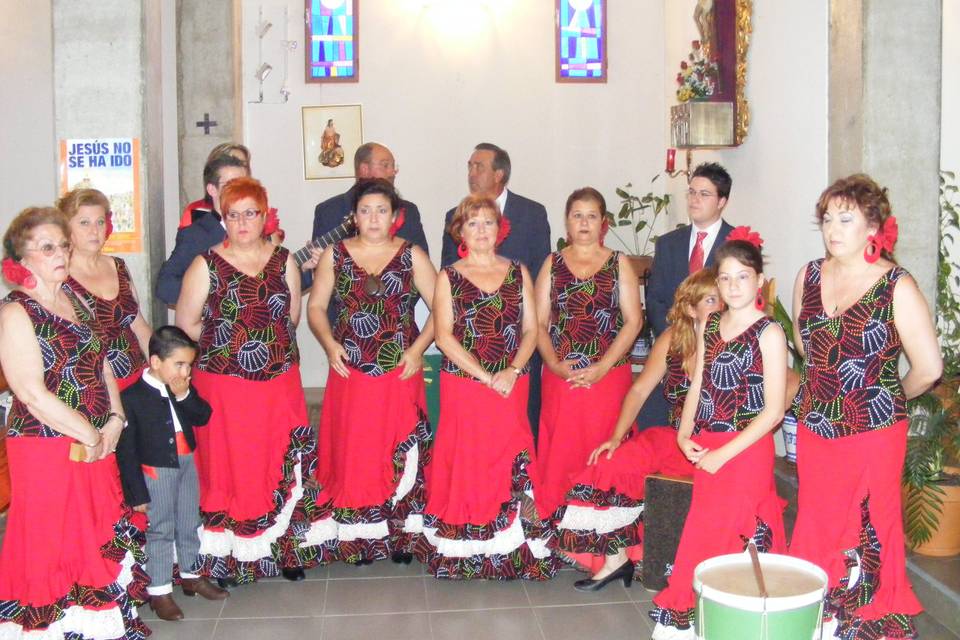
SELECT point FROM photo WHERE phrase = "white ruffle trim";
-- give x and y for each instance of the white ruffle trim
(502, 543)
(601, 521)
(224, 543)
(328, 529)
(89, 623)
(413, 523)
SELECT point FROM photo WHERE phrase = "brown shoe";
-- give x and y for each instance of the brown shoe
(208, 590)
(166, 607)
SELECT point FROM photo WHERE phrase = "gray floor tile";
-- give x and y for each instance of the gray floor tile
(379, 569)
(276, 600)
(607, 621)
(930, 629)
(560, 591)
(637, 593)
(273, 628)
(444, 595)
(501, 624)
(400, 626)
(193, 629)
(384, 595)
(195, 608)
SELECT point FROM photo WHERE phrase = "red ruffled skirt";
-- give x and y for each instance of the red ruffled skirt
(373, 444)
(72, 560)
(480, 520)
(252, 459)
(849, 522)
(573, 421)
(730, 508)
(604, 511)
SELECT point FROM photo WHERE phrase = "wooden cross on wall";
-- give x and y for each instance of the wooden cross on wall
(206, 123)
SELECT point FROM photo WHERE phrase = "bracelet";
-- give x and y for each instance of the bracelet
(99, 440)
(113, 414)
(517, 370)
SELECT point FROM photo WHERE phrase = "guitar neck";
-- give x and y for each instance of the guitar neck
(323, 242)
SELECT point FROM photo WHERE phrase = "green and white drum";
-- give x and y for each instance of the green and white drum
(729, 606)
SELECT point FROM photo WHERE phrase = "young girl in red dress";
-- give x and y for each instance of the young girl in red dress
(602, 524)
(735, 401)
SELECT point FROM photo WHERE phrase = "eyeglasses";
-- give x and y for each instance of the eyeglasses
(703, 195)
(246, 214)
(49, 249)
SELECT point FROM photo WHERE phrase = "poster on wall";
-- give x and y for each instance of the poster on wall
(331, 135)
(110, 165)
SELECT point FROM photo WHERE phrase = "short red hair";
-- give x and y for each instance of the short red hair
(240, 189)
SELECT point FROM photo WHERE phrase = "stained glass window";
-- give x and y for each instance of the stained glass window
(581, 41)
(332, 41)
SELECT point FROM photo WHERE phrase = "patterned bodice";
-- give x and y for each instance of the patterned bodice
(488, 325)
(375, 330)
(73, 356)
(247, 330)
(585, 314)
(115, 319)
(676, 384)
(731, 393)
(850, 382)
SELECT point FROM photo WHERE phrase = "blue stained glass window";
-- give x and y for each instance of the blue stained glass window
(332, 37)
(581, 40)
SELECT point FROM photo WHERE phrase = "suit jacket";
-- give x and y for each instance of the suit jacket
(150, 437)
(330, 213)
(529, 239)
(671, 266)
(191, 241)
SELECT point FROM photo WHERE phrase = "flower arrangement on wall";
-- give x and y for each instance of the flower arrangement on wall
(698, 75)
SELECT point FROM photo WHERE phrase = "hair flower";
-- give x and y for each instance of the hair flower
(888, 234)
(107, 224)
(272, 223)
(503, 231)
(17, 274)
(398, 221)
(746, 234)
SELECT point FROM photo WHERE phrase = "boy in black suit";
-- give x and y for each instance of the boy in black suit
(155, 456)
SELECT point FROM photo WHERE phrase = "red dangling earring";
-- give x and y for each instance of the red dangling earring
(226, 243)
(871, 253)
(760, 303)
(462, 250)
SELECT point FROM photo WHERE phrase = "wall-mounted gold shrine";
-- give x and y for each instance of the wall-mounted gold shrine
(711, 82)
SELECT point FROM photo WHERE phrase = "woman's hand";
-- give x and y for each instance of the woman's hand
(588, 375)
(609, 446)
(140, 508)
(711, 462)
(338, 358)
(110, 434)
(563, 368)
(412, 362)
(691, 450)
(502, 382)
(94, 453)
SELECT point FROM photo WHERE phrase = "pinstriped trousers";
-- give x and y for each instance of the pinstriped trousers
(174, 514)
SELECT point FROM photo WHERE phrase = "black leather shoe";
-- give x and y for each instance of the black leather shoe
(226, 583)
(623, 572)
(294, 574)
(402, 557)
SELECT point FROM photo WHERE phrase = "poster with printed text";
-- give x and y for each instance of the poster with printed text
(110, 165)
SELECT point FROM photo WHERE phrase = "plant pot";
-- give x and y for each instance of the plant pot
(789, 430)
(945, 541)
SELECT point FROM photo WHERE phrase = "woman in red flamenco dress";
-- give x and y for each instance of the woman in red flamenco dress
(241, 302)
(602, 524)
(856, 312)
(95, 277)
(480, 520)
(71, 564)
(374, 433)
(735, 401)
(588, 308)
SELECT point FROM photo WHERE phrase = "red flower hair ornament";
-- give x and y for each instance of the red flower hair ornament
(271, 224)
(746, 234)
(882, 241)
(107, 224)
(16, 273)
(398, 221)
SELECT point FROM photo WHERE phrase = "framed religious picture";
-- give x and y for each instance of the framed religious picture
(581, 40)
(331, 135)
(333, 39)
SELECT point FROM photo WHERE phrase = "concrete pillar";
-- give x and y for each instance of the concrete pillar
(885, 58)
(104, 55)
(208, 85)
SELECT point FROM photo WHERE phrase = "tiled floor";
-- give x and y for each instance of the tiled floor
(385, 601)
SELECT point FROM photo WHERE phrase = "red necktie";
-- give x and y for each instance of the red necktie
(696, 257)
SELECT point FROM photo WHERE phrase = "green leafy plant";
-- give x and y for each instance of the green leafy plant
(948, 276)
(633, 223)
(781, 316)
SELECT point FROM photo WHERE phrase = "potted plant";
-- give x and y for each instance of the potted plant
(931, 472)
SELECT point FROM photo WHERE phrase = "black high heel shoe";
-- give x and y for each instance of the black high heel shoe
(294, 574)
(623, 572)
(402, 557)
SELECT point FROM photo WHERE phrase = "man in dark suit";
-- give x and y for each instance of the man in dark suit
(207, 228)
(681, 252)
(372, 160)
(488, 172)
